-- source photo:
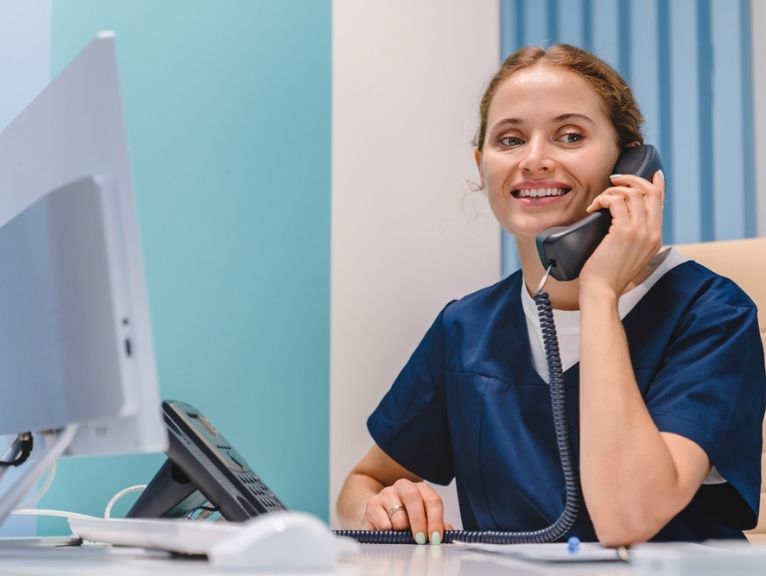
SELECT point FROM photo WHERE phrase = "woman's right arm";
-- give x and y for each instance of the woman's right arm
(377, 485)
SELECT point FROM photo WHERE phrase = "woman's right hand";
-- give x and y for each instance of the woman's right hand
(379, 494)
(407, 505)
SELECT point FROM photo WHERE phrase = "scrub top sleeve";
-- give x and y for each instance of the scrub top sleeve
(711, 389)
(410, 423)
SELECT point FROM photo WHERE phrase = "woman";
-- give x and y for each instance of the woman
(667, 399)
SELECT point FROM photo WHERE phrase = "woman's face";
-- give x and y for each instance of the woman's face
(548, 152)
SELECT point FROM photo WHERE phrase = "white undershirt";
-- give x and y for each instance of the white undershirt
(568, 324)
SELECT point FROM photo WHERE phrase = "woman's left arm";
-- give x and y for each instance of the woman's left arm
(635, 479)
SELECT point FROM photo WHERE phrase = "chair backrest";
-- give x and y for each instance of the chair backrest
(744, 261)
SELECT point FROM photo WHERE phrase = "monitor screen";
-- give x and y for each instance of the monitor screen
(75, 337)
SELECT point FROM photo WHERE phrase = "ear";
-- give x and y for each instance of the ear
(634, 144)
(477, 157)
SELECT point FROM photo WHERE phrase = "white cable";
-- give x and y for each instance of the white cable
(44, 512)
(41, 492)
(120, 494)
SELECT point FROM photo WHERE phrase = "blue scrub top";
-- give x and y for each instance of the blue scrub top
(470, 405)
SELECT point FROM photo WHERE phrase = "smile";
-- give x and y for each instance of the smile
(539, 192)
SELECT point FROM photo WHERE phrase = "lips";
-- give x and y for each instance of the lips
(539, 192)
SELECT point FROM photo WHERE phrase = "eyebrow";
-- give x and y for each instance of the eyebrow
(556, 120)
(572, 115)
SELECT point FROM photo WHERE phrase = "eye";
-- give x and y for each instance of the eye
(510, 141)
(571, 137)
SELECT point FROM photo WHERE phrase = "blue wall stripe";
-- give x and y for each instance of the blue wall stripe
(644, 65)
(553, 21)
(665, 119)
(571, 23)
(521, 25)
(508, 36)
(587, 28)
(685, 152)
(705, 80)
(748, 119)
(727, 121)
(623, 18)
(605, 23)
(536, 23)
(705, 120)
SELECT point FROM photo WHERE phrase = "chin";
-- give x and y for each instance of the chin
(530, 230)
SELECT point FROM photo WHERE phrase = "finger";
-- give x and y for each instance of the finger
(617, 180)
(622, 186)
(656, 206)
(399, 517)
(434, 508)
(628, 180)
(412, 500)
(602, 200)
(448, 526)
(376, 515)
(650, 188)
(614, 201)
(634, 200)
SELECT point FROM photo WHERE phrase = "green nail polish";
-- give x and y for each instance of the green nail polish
(436, 539)
(662, 175)
(420, 537)
(613, 176)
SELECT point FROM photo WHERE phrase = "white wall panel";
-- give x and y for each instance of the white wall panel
(407, 235)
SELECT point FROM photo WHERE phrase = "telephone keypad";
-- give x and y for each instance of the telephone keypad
(261, 492)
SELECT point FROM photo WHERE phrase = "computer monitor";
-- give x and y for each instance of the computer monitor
(76, 352)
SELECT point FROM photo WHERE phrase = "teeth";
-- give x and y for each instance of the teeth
(540, 192)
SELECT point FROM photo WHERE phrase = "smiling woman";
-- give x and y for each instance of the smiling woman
(547, 130)
(659, 353)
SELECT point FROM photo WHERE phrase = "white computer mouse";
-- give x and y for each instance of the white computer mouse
(280, 541)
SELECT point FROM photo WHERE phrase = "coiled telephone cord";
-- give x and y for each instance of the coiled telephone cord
(566, 453)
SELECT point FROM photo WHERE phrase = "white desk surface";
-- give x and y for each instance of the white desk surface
(383, 560)
(376, 560)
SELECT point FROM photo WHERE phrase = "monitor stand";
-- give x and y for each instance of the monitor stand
(56, 443)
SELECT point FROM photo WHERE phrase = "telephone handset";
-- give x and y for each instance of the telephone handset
(202, 467)
(566, 248)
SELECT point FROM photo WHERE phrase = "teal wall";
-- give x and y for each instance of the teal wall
(227, 105)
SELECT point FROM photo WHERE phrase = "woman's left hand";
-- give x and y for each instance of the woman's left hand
(634, 237)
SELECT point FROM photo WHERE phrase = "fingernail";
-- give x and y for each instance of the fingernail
(436, 539)
(420, 537)
(613, 176)
(662, 175)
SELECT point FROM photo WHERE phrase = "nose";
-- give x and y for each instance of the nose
(537, 157)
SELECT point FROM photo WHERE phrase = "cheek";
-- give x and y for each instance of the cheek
(495, 175)
(501, 204)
